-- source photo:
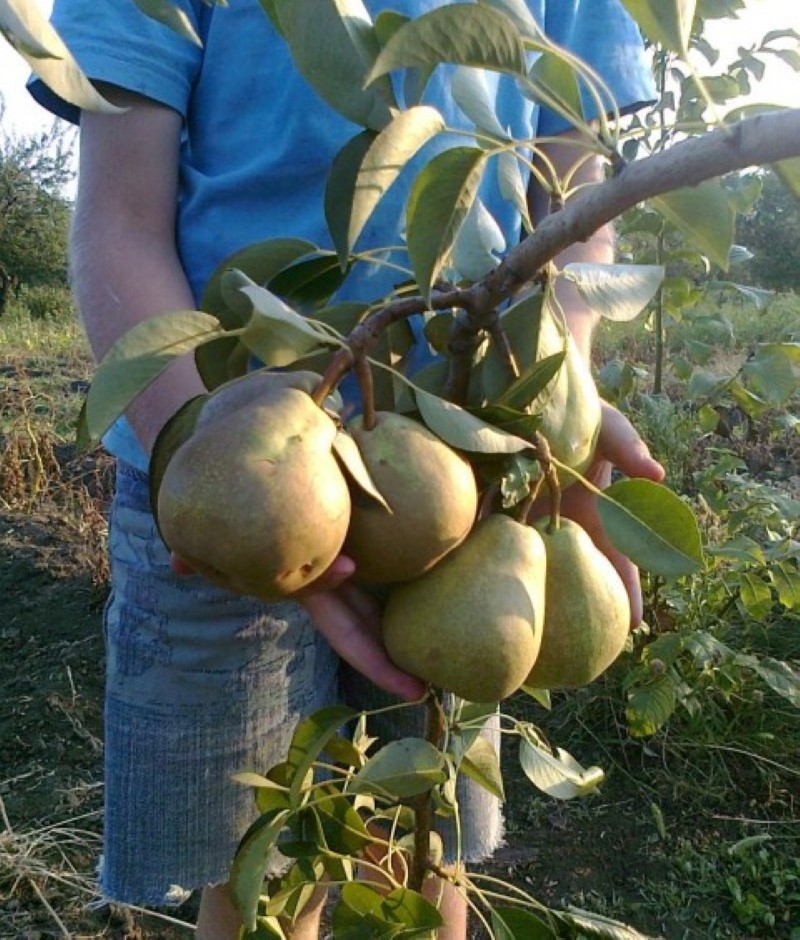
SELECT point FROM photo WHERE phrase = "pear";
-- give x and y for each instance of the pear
(587, 613)
(430, 490)
(255, 500)
(473, 624)
(251, 388)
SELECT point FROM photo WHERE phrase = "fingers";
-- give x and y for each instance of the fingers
(620, 444)
(356, 638)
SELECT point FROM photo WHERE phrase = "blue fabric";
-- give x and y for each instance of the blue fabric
(260, 140)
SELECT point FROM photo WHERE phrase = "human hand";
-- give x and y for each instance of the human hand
(618, 445)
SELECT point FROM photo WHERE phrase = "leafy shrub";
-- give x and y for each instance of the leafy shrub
(44, 302)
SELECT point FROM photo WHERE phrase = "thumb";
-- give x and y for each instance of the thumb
(619, 443)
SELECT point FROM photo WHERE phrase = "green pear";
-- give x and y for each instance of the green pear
(473, 624)
(430, 490)
(253, 387)
(255, 500)
(587, 613)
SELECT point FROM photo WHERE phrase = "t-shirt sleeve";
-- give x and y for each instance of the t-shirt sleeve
(114, 42)
(602, 34)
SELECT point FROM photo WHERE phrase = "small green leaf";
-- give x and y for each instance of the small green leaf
(557, 774)
(664, 22)
(786, 579)
(343, 830)
(440, 199)
(554, 81)
(514, 923)
(462, 430)
(650, 706)
(704, 214)
(463, 34)
(755, 595)
(172, 16)
(532, 382)
(309, 740)
(481, 764)
(250, 863)
(403, 768)
(349, 455)
(618, 292)
(652, 526)
(138, 358)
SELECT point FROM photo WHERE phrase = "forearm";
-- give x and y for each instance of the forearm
(121, 278)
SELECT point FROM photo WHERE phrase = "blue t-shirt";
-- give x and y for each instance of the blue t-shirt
(258, 141)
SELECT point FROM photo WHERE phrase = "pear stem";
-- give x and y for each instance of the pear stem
(551, 478)
(365, 384)
(423, 805)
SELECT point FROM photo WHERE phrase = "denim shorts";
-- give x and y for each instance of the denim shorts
(202, 683)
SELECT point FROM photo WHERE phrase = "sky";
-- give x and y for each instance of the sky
(781, 85)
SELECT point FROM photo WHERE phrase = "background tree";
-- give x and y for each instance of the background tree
(34, 212)
(771, 231)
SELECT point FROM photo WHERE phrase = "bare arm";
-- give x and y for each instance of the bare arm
(124, 263)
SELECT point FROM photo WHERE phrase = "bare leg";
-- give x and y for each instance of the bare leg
(219, 919)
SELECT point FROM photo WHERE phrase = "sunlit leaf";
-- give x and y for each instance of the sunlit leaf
(773, 371)
(471, 92)
(309, 740)
(367, 166)
(778, 675)
(348, 453)
(557, 774)
(664, 22)
(440, 199)
(337, 67)
(462, 430)
(596, 925)
(27, 30)
(652, 526)
(786, 579)
(482, 765)
(138, 358)
(478, 244)
(172, 16)
(403, 768)
(755, 595)
(789, 173)
(463, 34)
(250, 863)
(705, 216)
(619, 292)
(554, 77)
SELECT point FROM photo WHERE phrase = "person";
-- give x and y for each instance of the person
(219, 147)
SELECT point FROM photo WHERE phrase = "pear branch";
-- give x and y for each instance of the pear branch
(756, 141)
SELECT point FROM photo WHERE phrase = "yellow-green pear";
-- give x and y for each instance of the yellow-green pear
(430, 490)
(587, 613)
(472, 624)
(253, 387)
(255, 500)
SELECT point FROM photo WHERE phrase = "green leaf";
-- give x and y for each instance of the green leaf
(349, 455)
(309, 740)
(338, 66)
(786, 579)
(463, 34)
(481, 764)
(664, 22)
(367, 166)
(30, 34)
(403, 768)
(532, 382)
(407, 907)
(175, 432)
(343, 830)
(557, 774)
(478, 245)
(596, 925)
(462, 430)
(250, 863)
(652, 526)
(778, 675)
(789, 173)
(440, 198)
(471, 92)
(705, 216)
(773, 371)
(650, 706)
(618, 292)
(172, 16)
(554, 82)
(138, 358)
(277, 334)
(514, 923)
(755, 595)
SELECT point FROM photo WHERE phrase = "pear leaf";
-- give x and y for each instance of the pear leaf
(652, 526)
(482, 765)
(348, 453)
(462, 430)
(649, 706)
(463, 34)
(403, 768)
(664, 22)
(309, 740)
(29, 33)
(337, 67)
(704, 214)
(512, 185)
(367, 166)
(618, 292)
(172, 16)
(250, 863)
(471, 92)
(596, 925)
(515, 923)
(440, 199)
(138, 357)
(479, 242)
(557, 774)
